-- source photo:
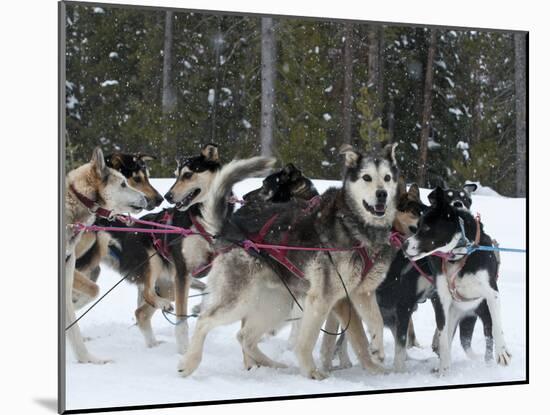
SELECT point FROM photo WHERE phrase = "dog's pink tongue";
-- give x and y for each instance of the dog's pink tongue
(379, 208)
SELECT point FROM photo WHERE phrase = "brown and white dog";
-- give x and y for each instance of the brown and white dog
(92, 184)
(134, 168)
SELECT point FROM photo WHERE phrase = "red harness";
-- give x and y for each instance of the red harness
(92, 205)
(162, 247)
(160, 244)
(280, 254)
(200, 228)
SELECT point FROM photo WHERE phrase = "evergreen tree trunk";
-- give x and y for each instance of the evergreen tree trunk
(373, 78)
(521, 133)
(218, 40)
(268, 86)
(169, 99)
(380, 86)
(426, 111)
(348, 83)
(391, 119)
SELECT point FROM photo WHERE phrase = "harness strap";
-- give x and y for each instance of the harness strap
(396, 239)
(200, 228)
(92, 205)
(160, 244)
(421, 272)
(451, 278)
(367, 262)
(282, 259)
(312, 203)
(201, 268)
(264, 229)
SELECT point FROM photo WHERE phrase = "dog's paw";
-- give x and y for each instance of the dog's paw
(377, 369)
(187, 366)
(153, 343)
(344, 364)
(94, 360)
(378, 356)
(504, 358)
(165, 305)
(441, 371)
(317, 374)
(414, 344)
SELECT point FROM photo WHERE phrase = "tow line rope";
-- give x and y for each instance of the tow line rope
(474, 246)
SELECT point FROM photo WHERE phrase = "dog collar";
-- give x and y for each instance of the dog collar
(92, 205)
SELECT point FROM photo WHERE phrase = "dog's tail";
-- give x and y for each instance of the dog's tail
(214, 208)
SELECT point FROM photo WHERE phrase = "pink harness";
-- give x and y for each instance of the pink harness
(396, 239)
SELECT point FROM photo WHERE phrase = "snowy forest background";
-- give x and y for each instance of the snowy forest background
(164, 83)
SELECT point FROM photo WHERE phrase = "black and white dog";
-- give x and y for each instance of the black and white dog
(462, 199)
(462, 283)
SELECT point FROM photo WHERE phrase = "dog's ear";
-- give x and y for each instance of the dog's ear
(389, 153)
(210, 152)
(352, 156)
(178, 166)
(401, 186)
(431, 197)
(289, 168)
(470, 188)
(414, 192)
(98, 163)
(437, 197)
(115, 160)
(292, 171)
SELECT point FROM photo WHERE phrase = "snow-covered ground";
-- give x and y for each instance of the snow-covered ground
(141, 376)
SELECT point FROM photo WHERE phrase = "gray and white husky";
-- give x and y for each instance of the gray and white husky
(249, 286)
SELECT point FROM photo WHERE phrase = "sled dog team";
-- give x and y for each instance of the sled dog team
(368, 251)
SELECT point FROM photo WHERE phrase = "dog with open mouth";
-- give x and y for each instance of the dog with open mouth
(247, 286)
(397, 295)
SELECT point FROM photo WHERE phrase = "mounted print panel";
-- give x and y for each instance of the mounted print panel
(263, 207)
